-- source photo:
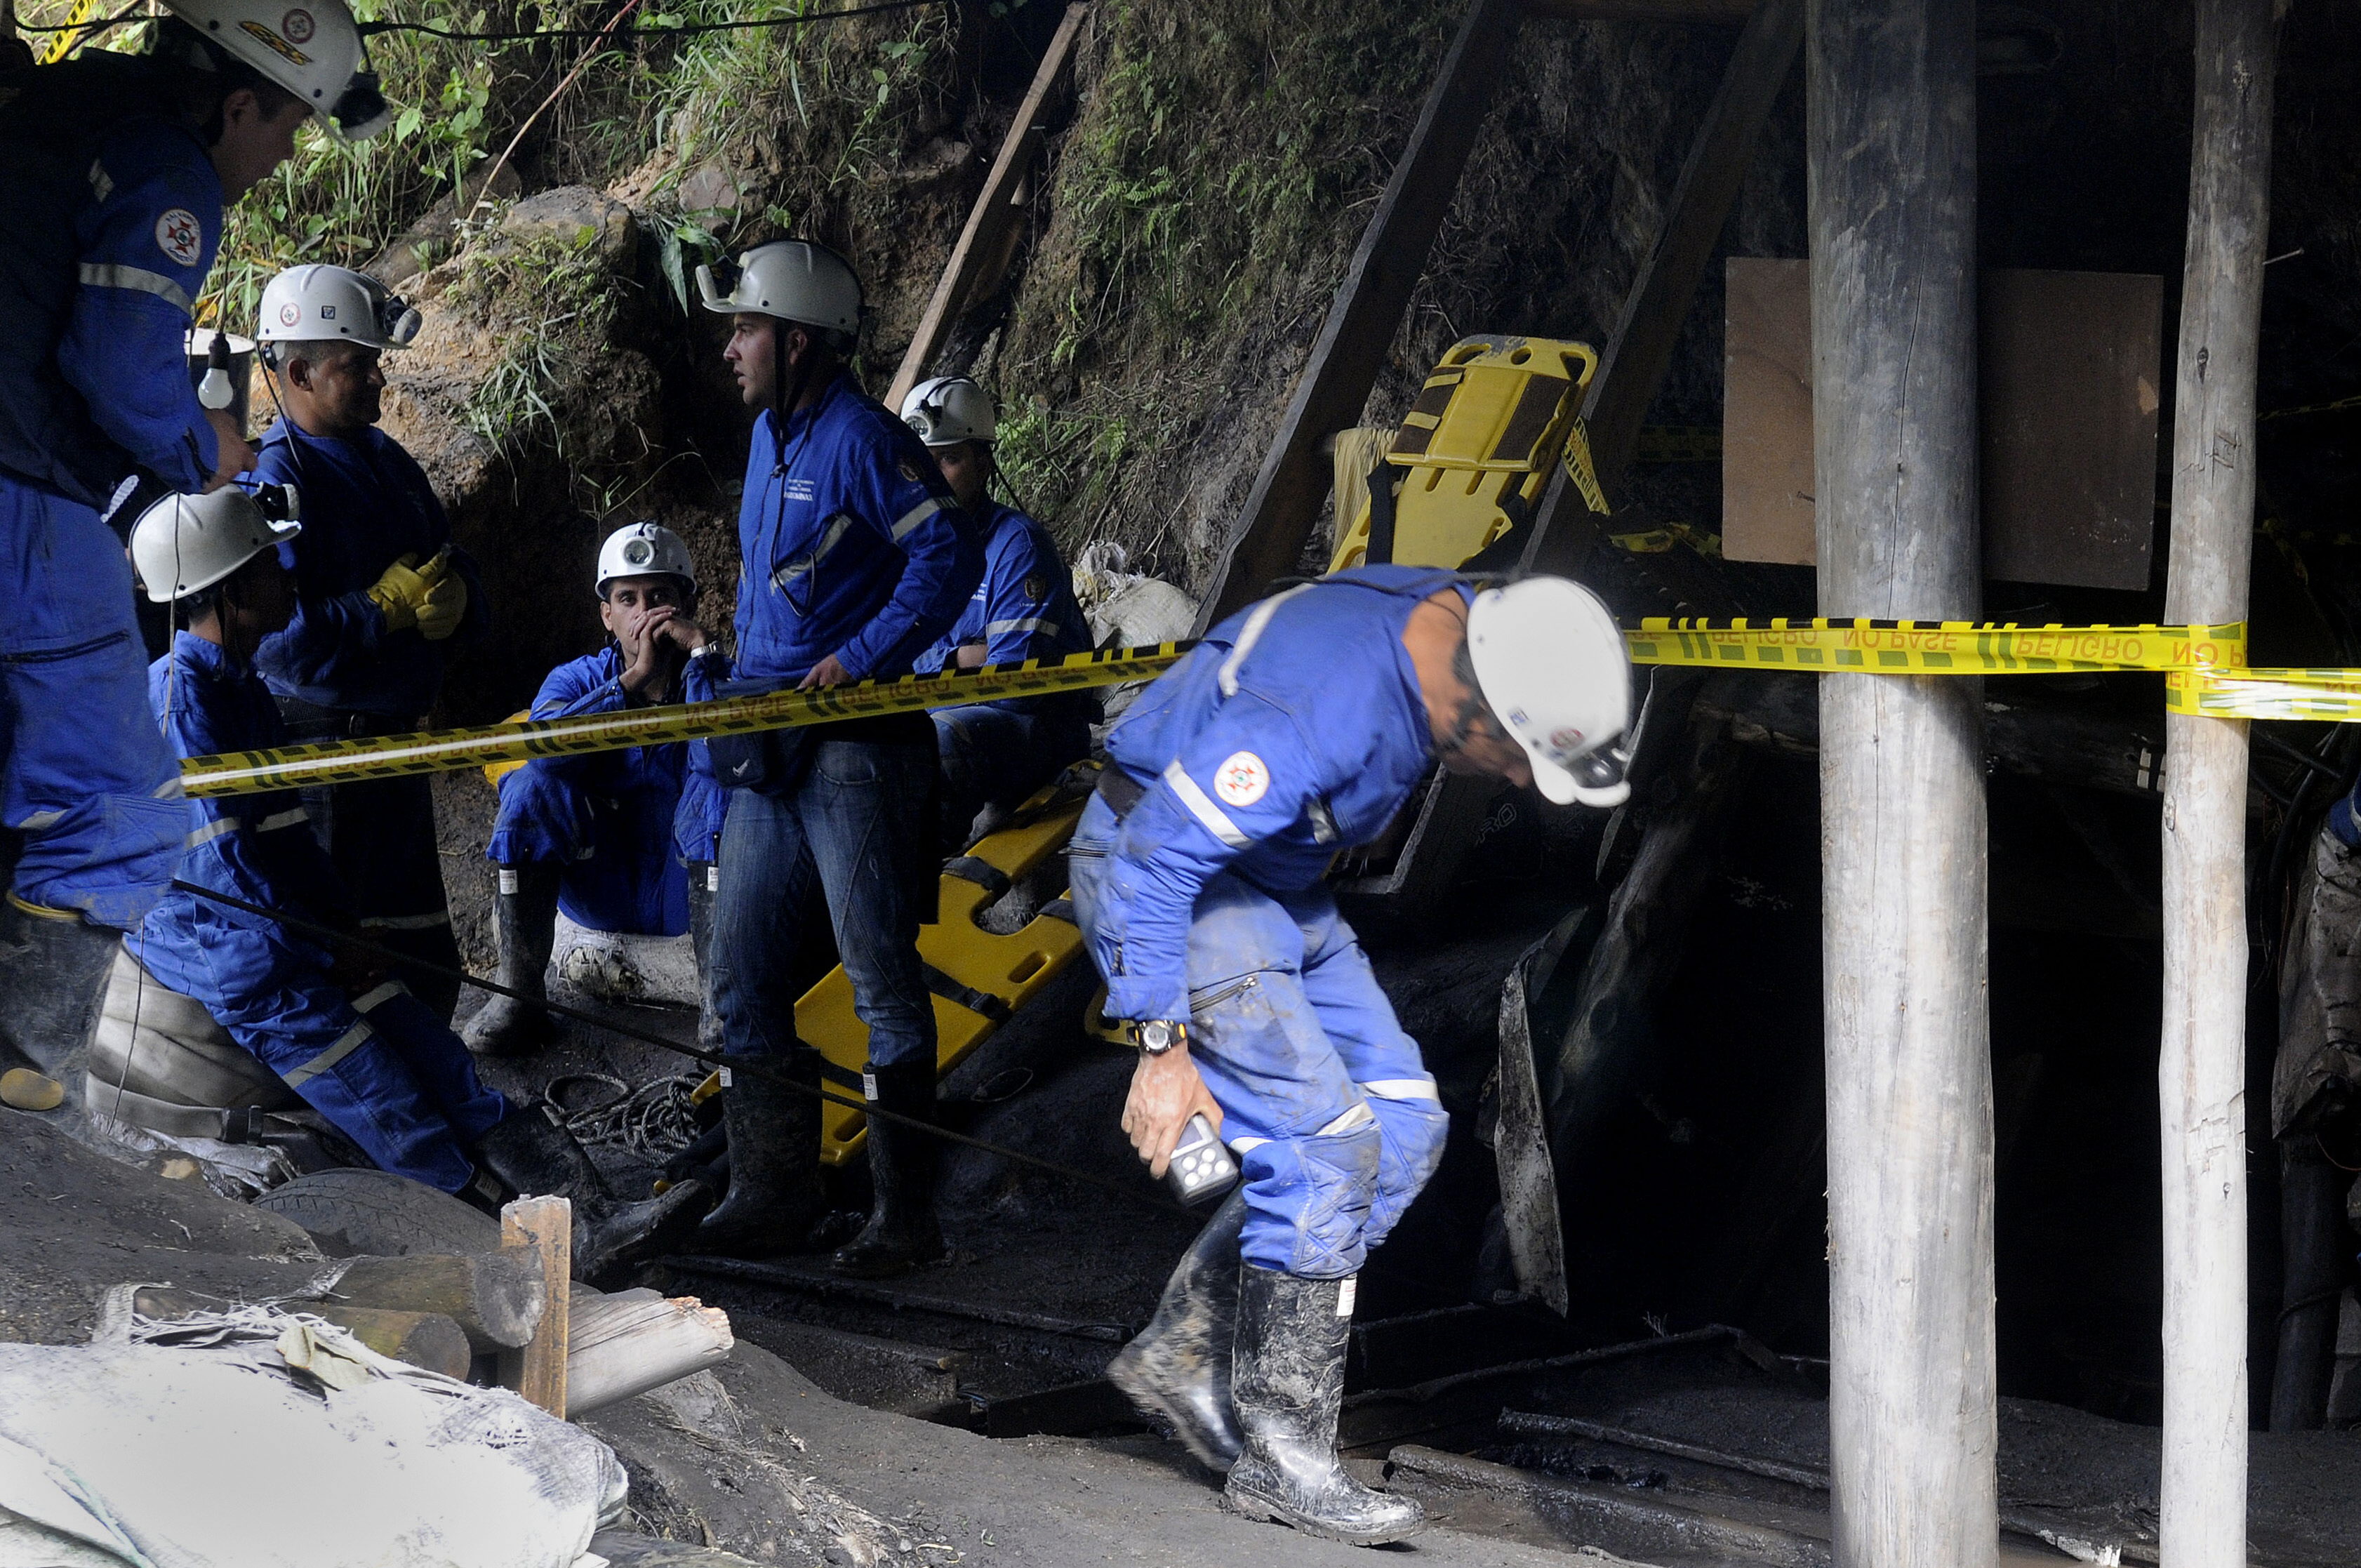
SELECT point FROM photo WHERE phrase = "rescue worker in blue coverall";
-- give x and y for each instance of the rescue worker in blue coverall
(1296, 729)
(620, 840)
(383, 599)
(993, 754)
(114, 173)
(355, 1045)
(855, 555)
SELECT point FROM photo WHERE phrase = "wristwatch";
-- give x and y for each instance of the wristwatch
(1153, 1037)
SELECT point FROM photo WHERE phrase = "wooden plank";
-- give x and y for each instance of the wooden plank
(1640, 350)
(1270, 534)
(2202, 1073)
(1913, 1411)
(981, 256)
(496, 1299)
(544, 1228)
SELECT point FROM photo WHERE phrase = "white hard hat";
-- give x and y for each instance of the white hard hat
(319, 303)
(184, 543)
(1551, 664)
(948, 411)
(312, 47)
(644, 550)
(793, 279)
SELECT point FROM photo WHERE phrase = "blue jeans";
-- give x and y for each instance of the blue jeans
(859, 821)
(1332, 1113)
(84, 772)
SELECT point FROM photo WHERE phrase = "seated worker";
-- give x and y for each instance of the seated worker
(1297, 727)
(996, 753)
(605, 836)
(359, 1048)
(381, 598)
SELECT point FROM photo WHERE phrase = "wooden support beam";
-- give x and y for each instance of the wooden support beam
(2202, 1073)
(1270, 534)
(496, 1299)
(1725, 11)
(985, 246)
(1637, 354)
(543, 1230)
(1913, 1420)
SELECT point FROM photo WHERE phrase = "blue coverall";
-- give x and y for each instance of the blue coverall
(86, 779)
(337, 671)
(619, 824)
(1024, 609)
(851, 544)
(380, 1067)
(1295, 729)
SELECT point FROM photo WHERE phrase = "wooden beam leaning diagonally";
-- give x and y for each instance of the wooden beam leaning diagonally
(1640, 350)
(1277, 520)
(1732, 11)
(982, 245)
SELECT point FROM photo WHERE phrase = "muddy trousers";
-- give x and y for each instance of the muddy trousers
(1331, 1112)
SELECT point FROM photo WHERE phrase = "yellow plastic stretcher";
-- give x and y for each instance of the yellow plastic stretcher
(1474, 451)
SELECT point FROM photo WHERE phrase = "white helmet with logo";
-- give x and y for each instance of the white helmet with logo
(793, 279)
(644, 549)
(312, 47)
(319, 303)
(184, 543)
(1552, 665)
(950, 409)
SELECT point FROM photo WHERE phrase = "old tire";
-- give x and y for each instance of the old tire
(375, 1214)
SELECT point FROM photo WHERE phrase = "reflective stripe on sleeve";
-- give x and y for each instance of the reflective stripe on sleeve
(1202, 808)
(278, 819)
(915, 516)
(1402, 1088)
(115, 275)
(350, 1041)
(1360, 1115)
(1248, 635)
(102, 184)
(814, 556)
(1032, 623)
(381, 995)
(211, 832)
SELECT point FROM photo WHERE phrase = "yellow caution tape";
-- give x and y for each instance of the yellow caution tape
(439, 751)
(1582, 471)
(1934, 648)
(61, 43)
(2331, 695)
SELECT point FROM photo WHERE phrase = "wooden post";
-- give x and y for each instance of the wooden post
(544, 1226)
(1270, 533)
(1912, 1421)
(2201, 1069)
(984, 244)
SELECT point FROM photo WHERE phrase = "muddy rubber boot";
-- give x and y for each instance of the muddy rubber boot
(1289, 1384)
(535, 1155)
(526, 925)
(901, 1232)
(701, 901)
(53, 971)
(1178, 1367)
(774, 1197)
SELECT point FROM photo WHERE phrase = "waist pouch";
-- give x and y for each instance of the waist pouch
(773, 761)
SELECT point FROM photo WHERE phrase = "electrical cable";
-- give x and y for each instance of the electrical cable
(683, 29)
(711, 1058)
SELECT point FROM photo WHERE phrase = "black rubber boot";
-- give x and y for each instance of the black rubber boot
(775, 1198)
(701, 903)
(529, 1153)
(52, 977)
(1178, 1366)
(901, 1232)
(1288, 1383)
(526, 925)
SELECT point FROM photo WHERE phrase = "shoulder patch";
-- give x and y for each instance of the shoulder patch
(180, 236)
(1242, 779)
(1036, 587)
(297, 26)
(909, 470)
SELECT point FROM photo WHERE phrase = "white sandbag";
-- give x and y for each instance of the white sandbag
(197, 1444)
(620, 967)
(1126, 610)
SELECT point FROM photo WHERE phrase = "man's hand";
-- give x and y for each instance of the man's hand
(235, 457)
(827, 672)
(353, 971)
(1166, 1091)
(680, 631)
(657, 653)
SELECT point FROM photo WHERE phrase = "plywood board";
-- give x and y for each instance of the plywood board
(2068, 376)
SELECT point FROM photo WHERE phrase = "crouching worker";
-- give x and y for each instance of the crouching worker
(996, 753)
(623, 840)
(356, 1047)
(1296, 729)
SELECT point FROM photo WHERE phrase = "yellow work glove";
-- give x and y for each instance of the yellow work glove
(445, 606)
(401, 591)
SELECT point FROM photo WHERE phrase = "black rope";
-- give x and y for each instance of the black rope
(711, 1058)
(682, 30)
